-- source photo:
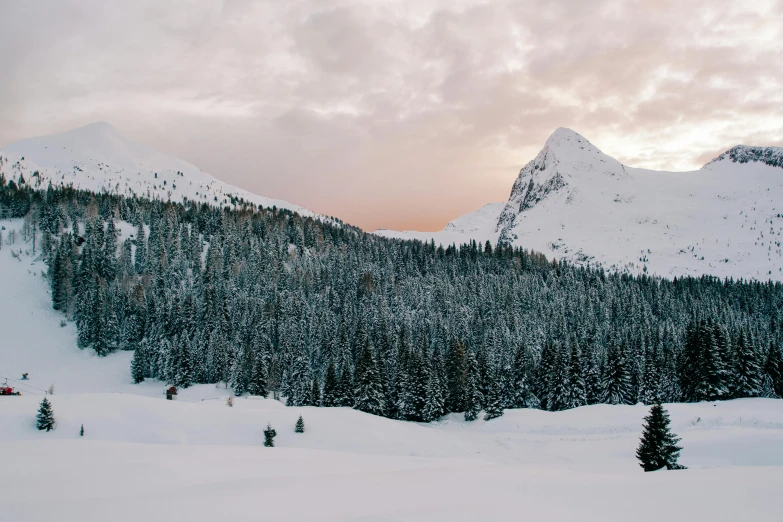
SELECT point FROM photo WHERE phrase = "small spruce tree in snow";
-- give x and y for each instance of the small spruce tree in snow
(45, 416)
(81, 431)
(658, 448)
(269, 436)
(299, 428)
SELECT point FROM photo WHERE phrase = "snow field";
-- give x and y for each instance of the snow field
(152, 459)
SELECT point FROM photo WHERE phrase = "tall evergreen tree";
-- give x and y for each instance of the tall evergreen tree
(434, 407)
(138, 364)
(712, 377)
(331, 395)
(651, 391)
(616, 380)
(593, 386)
(578, 392)
(523, 381)
(457, 374)
(315, 395)
(493, 409)
(473, 398)
(748, 381)
(259, 378)
(346, 396)
(368, 393)
(774, 369)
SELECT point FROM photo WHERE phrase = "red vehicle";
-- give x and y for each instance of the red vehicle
(7, 390)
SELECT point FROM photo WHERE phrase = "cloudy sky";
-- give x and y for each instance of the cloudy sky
(395, 114)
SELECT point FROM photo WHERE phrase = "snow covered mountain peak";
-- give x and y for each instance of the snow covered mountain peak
(771, 156)
(576, 203)
(98, 157)
(571, 147)
(564, 134)
(566, 162)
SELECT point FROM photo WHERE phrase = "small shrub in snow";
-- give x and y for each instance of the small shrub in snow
(299, 428)
(269, 436)
(81, 431)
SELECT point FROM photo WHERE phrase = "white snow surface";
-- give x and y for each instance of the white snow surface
(574, 202)
(478, 225)
(146, 458)
(98, 158)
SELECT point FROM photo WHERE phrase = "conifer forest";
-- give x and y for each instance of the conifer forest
(263, 300)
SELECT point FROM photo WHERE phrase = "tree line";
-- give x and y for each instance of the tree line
(265, 299)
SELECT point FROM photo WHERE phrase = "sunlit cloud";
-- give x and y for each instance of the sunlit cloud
(397, 114)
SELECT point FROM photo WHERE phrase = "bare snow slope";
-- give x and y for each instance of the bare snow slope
(478, 225)
(574, 202)
(98, 158)
(145, 458)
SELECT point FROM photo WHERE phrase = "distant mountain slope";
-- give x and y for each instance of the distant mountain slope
(98, 158)
(574, 202)
(479, 225)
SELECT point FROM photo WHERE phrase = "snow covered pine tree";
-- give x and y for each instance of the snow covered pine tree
(299, 428)
(45, 416)
(658, 448)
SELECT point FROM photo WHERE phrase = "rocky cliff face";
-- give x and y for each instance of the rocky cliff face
(565, 155)
(772, 156)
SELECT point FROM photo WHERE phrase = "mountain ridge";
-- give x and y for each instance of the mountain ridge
(98, 157)
(574, 202)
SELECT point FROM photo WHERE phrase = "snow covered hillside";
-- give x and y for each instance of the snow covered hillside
(478, 225)
(574, 202)
(98, 158)
(195, 459)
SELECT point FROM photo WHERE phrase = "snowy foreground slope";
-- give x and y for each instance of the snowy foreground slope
(574, 202)
(145, 458)
(98, 158)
